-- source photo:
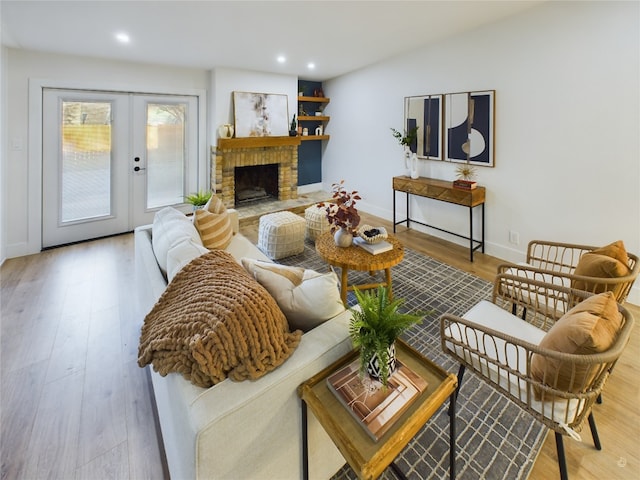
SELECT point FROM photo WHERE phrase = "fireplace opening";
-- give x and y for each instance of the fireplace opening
(256, 183)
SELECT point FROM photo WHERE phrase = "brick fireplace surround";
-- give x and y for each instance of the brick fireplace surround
(243, 152)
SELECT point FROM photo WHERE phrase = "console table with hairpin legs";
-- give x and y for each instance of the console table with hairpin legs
(443, 191)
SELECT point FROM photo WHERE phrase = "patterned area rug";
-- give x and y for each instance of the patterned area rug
(495, 439)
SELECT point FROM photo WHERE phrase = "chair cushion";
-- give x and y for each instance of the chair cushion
(213, 224)
(306, 297)
(489, 315)
(589, 327)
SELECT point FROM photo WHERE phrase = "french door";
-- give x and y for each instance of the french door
(111, 160)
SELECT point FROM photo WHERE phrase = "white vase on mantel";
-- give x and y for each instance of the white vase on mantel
(225, 131)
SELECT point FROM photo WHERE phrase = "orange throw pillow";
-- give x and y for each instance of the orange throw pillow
(590, 327)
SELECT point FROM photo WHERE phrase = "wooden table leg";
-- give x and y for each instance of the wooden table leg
(343, 285)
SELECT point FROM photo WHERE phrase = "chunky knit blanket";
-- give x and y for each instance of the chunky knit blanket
(215, 321)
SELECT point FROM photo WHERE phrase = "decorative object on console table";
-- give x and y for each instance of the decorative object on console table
(413, 163)
(408, 142)
(465, 184)
(375, 326)
(376, 409)
(345, 216)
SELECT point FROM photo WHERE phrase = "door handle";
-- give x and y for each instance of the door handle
(137, 169)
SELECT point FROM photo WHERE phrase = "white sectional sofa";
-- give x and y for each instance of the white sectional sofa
(241, 430)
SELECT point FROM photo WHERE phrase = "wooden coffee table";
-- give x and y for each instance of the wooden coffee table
(366, 457)
(356, 258)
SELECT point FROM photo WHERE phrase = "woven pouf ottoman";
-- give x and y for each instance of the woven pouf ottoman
(281, 234)
(317, 223)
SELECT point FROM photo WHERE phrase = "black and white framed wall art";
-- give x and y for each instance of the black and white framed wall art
(470, 127)
(425, 112)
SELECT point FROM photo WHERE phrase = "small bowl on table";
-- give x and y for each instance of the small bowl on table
(371, 234)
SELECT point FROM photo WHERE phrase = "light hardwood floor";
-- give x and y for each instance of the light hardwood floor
(75, 404)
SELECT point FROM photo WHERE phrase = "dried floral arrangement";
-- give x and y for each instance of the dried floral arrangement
(342, 212)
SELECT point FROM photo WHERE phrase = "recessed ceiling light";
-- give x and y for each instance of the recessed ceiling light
(123, 37)
(281, 59)
(311, 65)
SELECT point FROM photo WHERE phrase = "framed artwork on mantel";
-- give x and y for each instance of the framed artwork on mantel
(260, 114)
(470, 127)
(425, 112)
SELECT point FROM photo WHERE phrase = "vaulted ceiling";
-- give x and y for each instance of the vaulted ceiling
(336, 36)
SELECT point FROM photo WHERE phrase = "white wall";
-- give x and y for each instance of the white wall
(20, 215)
(567, 162)
(3, 148)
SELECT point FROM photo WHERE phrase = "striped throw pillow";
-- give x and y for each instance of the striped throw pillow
(214, 225)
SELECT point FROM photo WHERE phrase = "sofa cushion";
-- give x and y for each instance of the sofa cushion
(215, 321)
(589, 327)
(170, 226)
(306, 297)
(181, 254)
(213, 224)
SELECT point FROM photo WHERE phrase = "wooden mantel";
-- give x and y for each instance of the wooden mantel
(257, 142)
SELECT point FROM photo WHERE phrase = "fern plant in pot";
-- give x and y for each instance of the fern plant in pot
(374, 328)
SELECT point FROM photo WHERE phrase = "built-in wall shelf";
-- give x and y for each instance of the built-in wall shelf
(311, 122)
(313, 118)
(314, 99)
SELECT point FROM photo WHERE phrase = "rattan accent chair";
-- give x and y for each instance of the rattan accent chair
(502, 345)
(553, 262)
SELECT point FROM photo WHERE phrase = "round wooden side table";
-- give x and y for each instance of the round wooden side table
(356, 258)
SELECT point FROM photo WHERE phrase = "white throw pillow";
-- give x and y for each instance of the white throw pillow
(170, 226)
(181, 254)
(306, 297)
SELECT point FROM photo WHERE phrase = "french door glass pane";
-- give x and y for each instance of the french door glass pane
(86, 160)
(166, 129)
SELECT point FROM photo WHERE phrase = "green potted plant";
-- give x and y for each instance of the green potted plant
(342, 214)
(198, 200)
(293, 129)
(408, 138)
(374, 328)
